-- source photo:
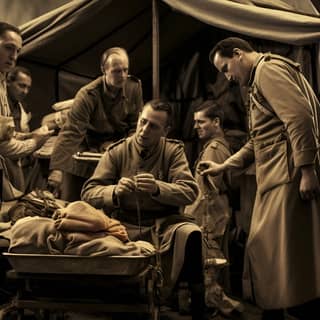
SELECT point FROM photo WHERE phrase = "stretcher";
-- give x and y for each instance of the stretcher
(91, 284)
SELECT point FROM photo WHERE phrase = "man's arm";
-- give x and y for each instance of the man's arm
(71, 134)
(15, 149)
(294, 110)
(181, 189)
(99, 190)
(240, 160)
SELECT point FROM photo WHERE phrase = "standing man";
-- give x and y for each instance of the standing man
(12, 149)
(103, 111)
(143, 181)
(212, 209)
(282, 263)
(19, 83)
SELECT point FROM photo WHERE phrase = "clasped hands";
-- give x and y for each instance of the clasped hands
(143, 182)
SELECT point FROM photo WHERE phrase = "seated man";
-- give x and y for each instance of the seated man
(19, 83)
(24, 169)
(144, 180)
(102, 112)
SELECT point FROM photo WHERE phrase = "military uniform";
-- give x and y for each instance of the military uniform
(282, 263)
(216, 217)
(212, 212)
(166, 161)
(95, 117)
(138, 211)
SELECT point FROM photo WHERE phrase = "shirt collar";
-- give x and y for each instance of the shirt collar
(254, 67)
(146, 153)
(107, 91)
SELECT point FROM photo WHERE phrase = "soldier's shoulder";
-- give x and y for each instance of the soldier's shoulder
(278, 59)
(116, 144)
(214, 145)
(133, 79)
(176, 142)
(219, 143)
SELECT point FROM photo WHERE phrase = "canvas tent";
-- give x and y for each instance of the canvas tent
(62, 48)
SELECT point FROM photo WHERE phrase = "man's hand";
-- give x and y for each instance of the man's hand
(54, 182)
(309, 183)
(210, 167)
(43, 130)
(125, 185)
(146, 182)
(41, 136)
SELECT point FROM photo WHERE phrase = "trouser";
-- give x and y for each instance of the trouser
(192, 273)
(192, 268)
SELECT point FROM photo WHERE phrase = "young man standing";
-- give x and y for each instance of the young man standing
(212, 209)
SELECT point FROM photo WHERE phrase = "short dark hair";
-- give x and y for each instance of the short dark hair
(4, 26)
(13, 74)
(161, 105)
(225, 47)
(211, 109)
(108, 53)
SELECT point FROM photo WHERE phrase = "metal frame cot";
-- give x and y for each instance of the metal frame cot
(108, 284)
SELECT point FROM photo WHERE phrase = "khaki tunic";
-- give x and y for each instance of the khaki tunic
(282, 263)
(212, 212)
(166, 161)
(96, 117)
(177, 188)
(211, 208)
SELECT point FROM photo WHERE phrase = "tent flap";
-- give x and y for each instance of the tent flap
(260, 22)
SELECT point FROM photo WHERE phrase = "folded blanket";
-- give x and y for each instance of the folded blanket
(36, 235)
(80, 216)
(39, 235)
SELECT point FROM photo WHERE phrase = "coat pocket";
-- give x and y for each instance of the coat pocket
(272, 168)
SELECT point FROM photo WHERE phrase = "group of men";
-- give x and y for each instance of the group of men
(144, 177)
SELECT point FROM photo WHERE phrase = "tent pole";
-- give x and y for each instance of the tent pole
(155, 50)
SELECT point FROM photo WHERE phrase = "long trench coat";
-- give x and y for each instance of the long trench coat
(282, 261)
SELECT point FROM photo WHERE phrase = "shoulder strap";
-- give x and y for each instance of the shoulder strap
(255, 96)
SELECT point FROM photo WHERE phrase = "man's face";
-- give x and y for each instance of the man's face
(10, 46)
(116, 70)
(20, 87)
(233, 68)
(151, 126)
(205, 127)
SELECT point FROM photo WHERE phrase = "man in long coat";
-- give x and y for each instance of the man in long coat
(282, 263)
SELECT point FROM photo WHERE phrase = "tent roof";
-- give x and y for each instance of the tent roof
(74, 35)
(63, 46)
